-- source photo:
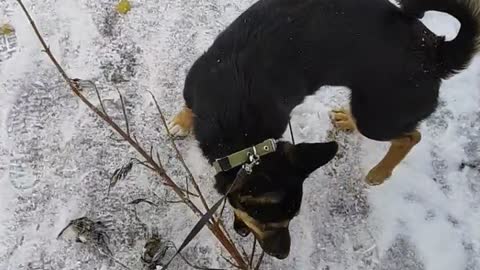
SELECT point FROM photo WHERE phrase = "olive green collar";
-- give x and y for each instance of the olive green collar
(247, 157)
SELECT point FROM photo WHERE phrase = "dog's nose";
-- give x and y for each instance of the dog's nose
(279, 256)
(277, 243)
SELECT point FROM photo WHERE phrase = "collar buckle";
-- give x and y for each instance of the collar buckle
(253, 160)
(247, 158)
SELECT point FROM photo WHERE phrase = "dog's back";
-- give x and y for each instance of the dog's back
(279, 51)
(322, 41)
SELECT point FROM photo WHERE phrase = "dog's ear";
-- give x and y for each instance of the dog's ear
(307, 157)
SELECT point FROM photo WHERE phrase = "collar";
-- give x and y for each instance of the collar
(248, 157)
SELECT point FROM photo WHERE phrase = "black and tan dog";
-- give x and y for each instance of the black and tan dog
(241, 91)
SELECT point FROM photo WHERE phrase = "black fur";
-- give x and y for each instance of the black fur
(276, 53)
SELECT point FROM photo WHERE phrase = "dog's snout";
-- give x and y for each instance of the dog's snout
(277, 243)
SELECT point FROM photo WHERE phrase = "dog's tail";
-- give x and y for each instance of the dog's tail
(455, 55)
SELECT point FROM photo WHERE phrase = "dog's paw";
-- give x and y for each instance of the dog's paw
(181, 125)
(377, 176)
(341, 120)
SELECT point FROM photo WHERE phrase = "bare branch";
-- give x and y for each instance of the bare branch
(214, 227)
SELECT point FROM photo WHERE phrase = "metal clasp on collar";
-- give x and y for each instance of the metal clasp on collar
(253, 160)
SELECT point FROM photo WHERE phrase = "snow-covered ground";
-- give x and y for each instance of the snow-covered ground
(56, 157)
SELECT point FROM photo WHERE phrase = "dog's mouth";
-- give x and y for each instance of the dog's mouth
(275, 241)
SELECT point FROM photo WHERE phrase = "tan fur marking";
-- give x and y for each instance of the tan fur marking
(182, 123)
(342, 119)
(250, 222)
(398, 150)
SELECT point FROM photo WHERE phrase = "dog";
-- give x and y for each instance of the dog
(239, 94)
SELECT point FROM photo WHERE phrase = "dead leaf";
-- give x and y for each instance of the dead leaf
(6, 29)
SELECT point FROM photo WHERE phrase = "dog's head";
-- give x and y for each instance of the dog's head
(266, 200)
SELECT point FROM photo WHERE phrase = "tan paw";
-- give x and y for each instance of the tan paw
(341, 120)
(181, 125)
(377, 176)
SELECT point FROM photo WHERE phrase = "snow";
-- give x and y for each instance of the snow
(56, 157)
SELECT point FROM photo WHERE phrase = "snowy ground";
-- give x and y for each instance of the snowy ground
(56, 157)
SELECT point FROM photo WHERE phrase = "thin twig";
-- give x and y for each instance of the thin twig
(97, 92)
(230, 261)
(158, 159)
(186, 185)
(124, 110)
(143, 163)
(253, 251)
(260, 260)
(181, 189)
(244, 252)
(187, 169)
(221, 211)
(179, 155)
(173, 202)
(135, 139)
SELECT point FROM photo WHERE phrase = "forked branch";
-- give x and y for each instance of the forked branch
(155, 165)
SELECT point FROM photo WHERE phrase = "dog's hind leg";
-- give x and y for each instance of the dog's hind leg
(343, 120)
(399, 149)
(182, 124)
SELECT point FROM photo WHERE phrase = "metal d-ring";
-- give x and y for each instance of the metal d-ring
(253, 159)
